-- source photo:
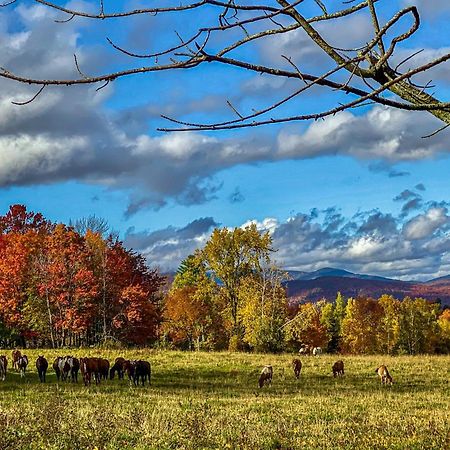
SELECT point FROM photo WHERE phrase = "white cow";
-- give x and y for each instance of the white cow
(317, 351)
(22, 364)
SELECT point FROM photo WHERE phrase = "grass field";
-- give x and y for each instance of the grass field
(211, 400)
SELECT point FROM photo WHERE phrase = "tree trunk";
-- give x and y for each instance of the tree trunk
(50, 320)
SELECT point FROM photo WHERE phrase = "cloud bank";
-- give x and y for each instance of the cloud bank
(416, 245)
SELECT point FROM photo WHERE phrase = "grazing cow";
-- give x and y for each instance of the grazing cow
(119, 367)
(138, 369)
(297, 366)
(64, 368)
(129, 368)
(89, 367)
(338, 368)
(3, 367)
(16, 354)
(22, 364)
(67, 366)
(305, 349)
(384, 375)
(97, 367)
(266, 376)
(74, 369)
(143, 371)
(317, 351)
(41, 366)
(103, 368)
(56, 367)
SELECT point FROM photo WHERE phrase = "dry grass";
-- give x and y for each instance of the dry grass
(211, 400)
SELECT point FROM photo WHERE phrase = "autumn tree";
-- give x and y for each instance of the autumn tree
(389, 327)
(264, 309)
(360, 326)
(444, 331)
(230, 256)
(66, 283)
(306, 328)
(230, 33)
(58, 287)
(419, 331)
(19, 220)
(133, 295)
(15, 273)
(191, 311)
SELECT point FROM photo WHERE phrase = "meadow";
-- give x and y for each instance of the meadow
(212, 401)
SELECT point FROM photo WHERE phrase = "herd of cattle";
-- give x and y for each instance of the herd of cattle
(68, 367)
(337, 369)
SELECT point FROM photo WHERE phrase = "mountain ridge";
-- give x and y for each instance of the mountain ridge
(326, 282)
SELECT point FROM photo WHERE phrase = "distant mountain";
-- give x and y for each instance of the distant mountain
(441, 280)
(325, 283)
(332, 272)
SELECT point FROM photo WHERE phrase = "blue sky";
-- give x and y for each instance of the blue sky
(361, 190)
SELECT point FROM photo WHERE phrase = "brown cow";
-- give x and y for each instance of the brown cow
(89, 368)
(75, 369)
(103, 368)
(138, 369)
(129, 367)
(96, 367)
(119, 367)
(297, 366)
(266, 376)
(384, 375)
(41, 366)
(3, 367)
(338, 368)
(16, 354)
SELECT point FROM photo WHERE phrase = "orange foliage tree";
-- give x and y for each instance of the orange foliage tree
(59, 287)
(360, 326)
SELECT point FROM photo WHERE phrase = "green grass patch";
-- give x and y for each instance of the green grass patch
(212, 401)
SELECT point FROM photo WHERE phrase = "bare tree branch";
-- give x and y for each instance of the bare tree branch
(242, 24)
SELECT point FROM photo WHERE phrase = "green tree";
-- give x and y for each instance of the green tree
(230, 256)
(191, 272)
(328, 320)
(339, 311)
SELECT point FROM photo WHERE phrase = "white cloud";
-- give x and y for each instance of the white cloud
(424, 225)
(381, 134)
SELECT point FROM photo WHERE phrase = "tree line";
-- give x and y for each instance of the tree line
(230, 294)
(77, 285)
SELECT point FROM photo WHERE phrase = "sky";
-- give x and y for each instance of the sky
(361, 190)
